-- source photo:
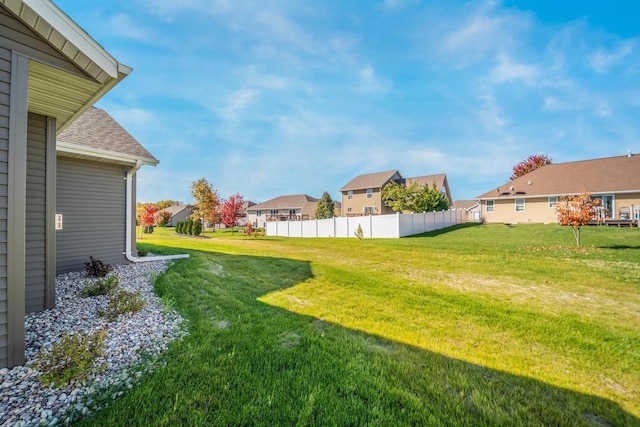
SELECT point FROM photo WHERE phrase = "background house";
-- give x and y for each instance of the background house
(471, 209)
(295, 207)
(243, 218)
(51, 71)
(362, 195)
(531, 198)
(178, 213)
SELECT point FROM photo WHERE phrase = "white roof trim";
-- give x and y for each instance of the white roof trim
(541, 196)
(75, 35)
(90, 152)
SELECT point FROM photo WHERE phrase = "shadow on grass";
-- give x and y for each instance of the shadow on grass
(619, 247)
(445, 230)
(245, 362)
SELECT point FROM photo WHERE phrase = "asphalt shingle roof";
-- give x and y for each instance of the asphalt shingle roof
(606, 175)
(95, 128)
(284, 202)
(371, 180)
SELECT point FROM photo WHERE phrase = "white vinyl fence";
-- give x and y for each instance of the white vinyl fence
(373, 226)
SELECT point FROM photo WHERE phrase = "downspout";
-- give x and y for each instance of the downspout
(129, 223)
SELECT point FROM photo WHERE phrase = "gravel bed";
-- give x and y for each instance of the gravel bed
(133, 343)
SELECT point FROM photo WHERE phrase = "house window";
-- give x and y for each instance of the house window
(349, 210)
(274, 213)
(552, 202)
(259, 213)
(368, 210)
(369, 193)
(491, 205)
(519, 205)
(350, 194)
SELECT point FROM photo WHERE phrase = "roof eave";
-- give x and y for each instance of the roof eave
(37, 10)
(90, 153)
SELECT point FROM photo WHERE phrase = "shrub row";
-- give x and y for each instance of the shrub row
(190, 227)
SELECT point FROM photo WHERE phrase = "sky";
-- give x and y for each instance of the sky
(269, 98)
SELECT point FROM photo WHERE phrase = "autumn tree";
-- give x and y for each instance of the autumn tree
(325, 208)
(206, 199)
(162, 218)
(163, 204)
(576, 211)
(530, 164)
(231, 209)
(148, 217)
(414, 197)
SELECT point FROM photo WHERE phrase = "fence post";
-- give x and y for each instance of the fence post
(371, 226)
(334, 226)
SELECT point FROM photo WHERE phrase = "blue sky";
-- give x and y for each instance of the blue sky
(267, 98)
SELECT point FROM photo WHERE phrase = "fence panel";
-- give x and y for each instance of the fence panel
(326, 227)
(378, 226)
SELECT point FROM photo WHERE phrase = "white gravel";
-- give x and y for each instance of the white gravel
(133, 343)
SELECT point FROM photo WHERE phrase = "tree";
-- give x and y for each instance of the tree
(206, 199)
(162, 218)
(148, 217)
(414, 198)
(530, 164)
(163, 204)
(231, 209)
(576, 211)
(325, 208)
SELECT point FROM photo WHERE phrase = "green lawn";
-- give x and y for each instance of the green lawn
(477, 325)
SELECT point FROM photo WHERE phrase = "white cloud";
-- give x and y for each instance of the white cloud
(124, 26)
(237, 101)
(391, 5)
(508, 70)
(602, 60)
(369, 82)
(602, 109)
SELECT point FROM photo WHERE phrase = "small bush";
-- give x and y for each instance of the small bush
(142, 252)
(102, 286)
(196, 229)
(96, 268)
(72, 358)
(147, 229)
(188, 228)
(248, 229)
(121, 302)
(359, 234)
(179, 227)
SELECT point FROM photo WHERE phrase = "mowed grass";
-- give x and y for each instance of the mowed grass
(474, 325)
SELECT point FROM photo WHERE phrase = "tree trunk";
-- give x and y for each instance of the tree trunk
(576, 234)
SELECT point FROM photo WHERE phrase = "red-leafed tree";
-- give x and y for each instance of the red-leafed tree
(576, 211)
(530, 164)
(230, 211)
(148, 217)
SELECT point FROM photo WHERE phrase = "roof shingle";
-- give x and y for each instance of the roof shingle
(95, 128)
(606, 175)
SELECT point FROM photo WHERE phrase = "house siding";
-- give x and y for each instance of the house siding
(360, 200)
(5, 89)
(36, 224)
(18, 37)
(91, 198)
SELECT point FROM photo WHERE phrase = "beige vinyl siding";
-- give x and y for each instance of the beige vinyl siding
(91, 198)
(35, 232)
(5, 86)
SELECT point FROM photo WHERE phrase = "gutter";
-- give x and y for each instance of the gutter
(129, 223)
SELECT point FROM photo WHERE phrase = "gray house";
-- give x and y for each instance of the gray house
(178, 213)
(97, 162)
(51, 71)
